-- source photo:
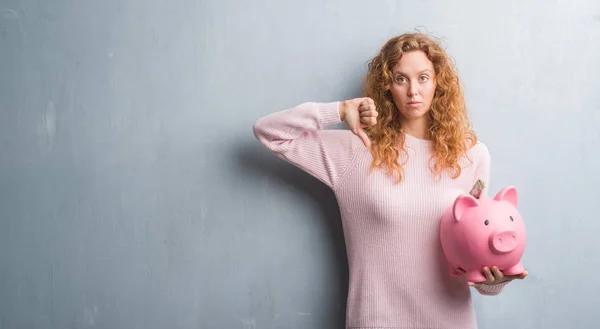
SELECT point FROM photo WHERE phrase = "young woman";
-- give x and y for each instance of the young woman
(408, 153)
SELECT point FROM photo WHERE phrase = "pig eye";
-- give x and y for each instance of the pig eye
(486, 222)
(511, 219)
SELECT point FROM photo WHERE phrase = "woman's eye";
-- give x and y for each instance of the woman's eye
(424, 78)
(400, 79)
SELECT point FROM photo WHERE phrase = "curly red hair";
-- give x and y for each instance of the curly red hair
(449, 127)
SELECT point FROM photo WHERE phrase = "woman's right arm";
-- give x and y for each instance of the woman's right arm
(297, 135)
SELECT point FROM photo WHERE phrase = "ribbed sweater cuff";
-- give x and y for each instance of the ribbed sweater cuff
(491, 290)
(329, 113)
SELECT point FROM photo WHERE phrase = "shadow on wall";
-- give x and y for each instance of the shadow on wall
(257, 162)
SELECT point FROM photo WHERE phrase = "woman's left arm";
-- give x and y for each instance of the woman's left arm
(496, 281)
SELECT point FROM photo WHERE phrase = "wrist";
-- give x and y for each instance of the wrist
(342, 110)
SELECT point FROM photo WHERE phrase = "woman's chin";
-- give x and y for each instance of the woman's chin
(413, 113)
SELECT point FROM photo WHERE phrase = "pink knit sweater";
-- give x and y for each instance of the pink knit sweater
(398, 276)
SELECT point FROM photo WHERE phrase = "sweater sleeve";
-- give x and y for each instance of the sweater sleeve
(483, 166)
(297, 135)
(491, 290)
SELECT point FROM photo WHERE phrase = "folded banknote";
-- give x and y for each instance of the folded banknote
(477, 189)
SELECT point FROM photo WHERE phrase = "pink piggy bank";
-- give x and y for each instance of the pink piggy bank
(483, 232)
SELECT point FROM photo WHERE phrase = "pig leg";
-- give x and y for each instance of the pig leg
(514, 270)
(454, 270)
(475, 276)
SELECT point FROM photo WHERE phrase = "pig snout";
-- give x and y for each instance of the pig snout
(503, 241)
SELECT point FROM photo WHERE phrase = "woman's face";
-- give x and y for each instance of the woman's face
(413, 85)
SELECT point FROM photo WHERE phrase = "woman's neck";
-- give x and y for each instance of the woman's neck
(417, 128)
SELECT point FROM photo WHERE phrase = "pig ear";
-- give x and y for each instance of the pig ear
(462, 203)
(508, 194)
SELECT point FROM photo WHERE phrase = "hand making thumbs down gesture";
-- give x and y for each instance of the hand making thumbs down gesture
(359, 113)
